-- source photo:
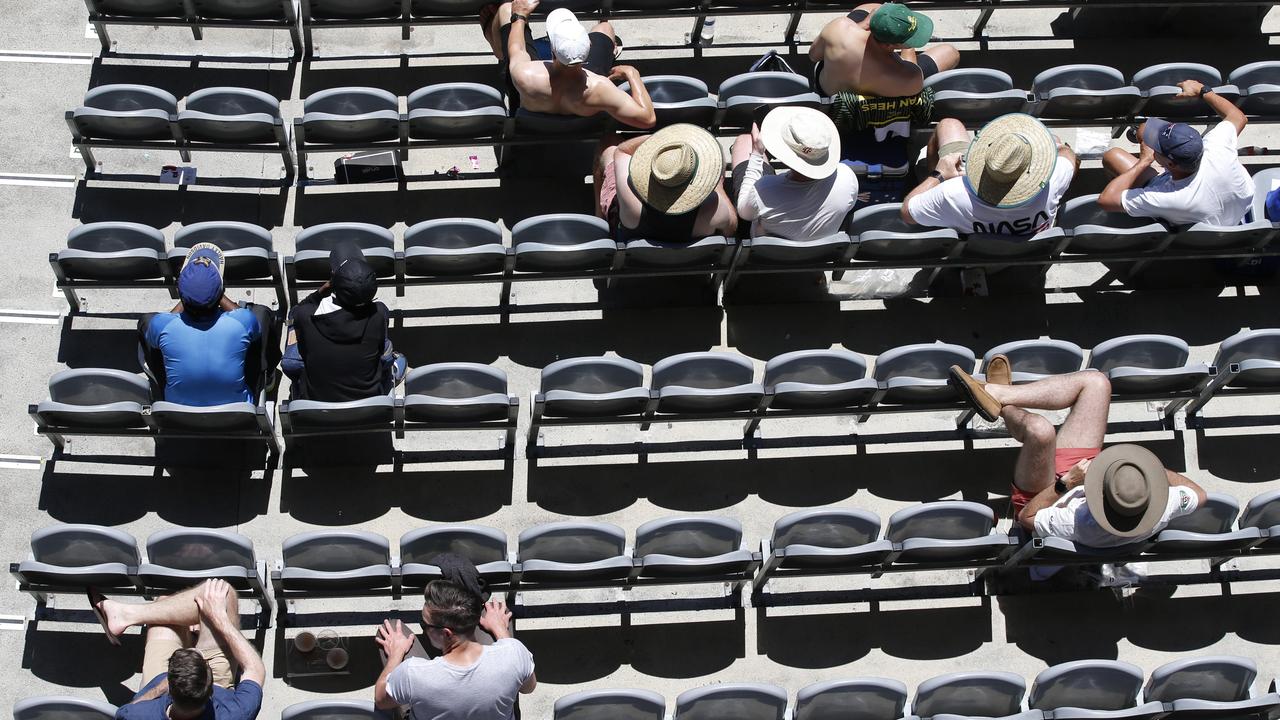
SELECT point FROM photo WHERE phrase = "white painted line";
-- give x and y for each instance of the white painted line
(31, 317)
(54, 58)
(20, 462)
(12, 622)
(29, 180)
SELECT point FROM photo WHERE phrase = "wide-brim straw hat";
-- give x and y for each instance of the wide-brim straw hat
(1127, 490)
(677, 168)
(793, 135)
(1010, 161)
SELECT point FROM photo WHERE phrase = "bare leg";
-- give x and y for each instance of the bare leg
(1087, 393)
(1033, 470)
(946, 57)
(604, 27)
(178, 610)
(605, 152)
(741, 151)
(949, 130)
(491, 34)
(219, 655)
(1116, 161)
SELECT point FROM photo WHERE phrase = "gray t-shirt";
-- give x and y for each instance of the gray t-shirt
(486, 690)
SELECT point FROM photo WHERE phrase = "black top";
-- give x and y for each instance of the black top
(654, 225)
(341, 350)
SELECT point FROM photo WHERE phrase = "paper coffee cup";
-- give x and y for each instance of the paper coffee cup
(305, 642)
(336, 659)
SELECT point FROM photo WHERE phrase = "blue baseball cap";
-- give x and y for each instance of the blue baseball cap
(1273, 205)
(1176, 141)
(200, 280)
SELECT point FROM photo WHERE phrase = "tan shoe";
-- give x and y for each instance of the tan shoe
(998, 371)
(987, 406)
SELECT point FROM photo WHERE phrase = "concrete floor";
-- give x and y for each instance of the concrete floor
(664, 652)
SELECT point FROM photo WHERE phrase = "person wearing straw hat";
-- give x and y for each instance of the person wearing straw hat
(1203, 180)
(572, 72)
(1009, 180)
(875, 50)
(668, 186)
(205, 338)
(1064, 484)
(818, 190)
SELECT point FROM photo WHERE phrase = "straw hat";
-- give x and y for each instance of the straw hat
(1127, 490)
(677, 168)
(803, 139)
(1010, 161)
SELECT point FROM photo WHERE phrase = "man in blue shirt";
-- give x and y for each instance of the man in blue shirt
(205, 338)
(186, 678)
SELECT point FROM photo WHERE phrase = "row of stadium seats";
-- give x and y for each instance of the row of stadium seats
(941, 535)
(565, 246)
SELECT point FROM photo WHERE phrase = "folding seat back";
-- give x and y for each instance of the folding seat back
(1083, 92)
(974, 94)
(1094, 230)
(827, 528)
(426, 8)
(1216, 515)
(61, 707)
(1159, 84)
(563, 241)
(740, 701)
(371, 414)
(593, 386)
(231, 114)
(941, 520)
(353, 9)
(742, 96)
(573, 552)
(181, 557)
(1206, 236)
(95, 397)
(1217, 678)
(336, 560)
(81, 555)
(1142, 351)
(818, 379)
(456, 392)
(141, 8)
(678, 99)
(126, 112)
(112, 252)
(485, 547)
(981, 694)
(456, 109)
(1089, 684)
(313, 245)
(246, 248)
(454, 246)
(918, 373)
(1257, 353)
(1033, 359)
(610, 705)
(856, 699)
(689, 537)
(880, 234)
(334, 710)
(245, 9)
(351, 114)
(1259, 85)
(706, 382)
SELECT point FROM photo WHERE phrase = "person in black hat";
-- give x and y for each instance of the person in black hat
(338, 348)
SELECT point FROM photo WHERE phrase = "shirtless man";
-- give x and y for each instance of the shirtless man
(872, 51)
(578, 77)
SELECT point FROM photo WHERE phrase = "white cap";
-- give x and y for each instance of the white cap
(804, 139)
(569, 41)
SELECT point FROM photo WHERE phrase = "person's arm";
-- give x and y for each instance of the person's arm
(1220, 105)
(396, 644)
(496, 620)
(517, 53)
(948, 167)
(211, 601)
(818, 47)
(748, 201)
(1050, 495)
(160, 688)
(724, 220)
(629, 205)
(634, 109)
(1179, 480)
(1112, 197)
(1065, 151)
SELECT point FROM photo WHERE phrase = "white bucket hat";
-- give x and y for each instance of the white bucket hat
(1010, 161)
(803, 139)
(569, 41)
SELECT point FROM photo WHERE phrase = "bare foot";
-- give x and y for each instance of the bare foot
(113, 611)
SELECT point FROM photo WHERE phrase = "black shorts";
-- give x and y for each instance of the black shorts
(739, 172)
(599, 57)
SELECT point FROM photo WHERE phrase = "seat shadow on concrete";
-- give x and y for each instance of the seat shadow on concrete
(163, 206)
(115, 348)
(687, 650)
(183, 79)
(1035, 623)
(343, 486)
(817, 640)
(398, 77)
(571, 655)
(1241, 458)
(50, 656)
(310, 673)
(513, 200)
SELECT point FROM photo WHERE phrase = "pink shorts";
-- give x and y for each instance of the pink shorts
(1063, 460)
(608, 189)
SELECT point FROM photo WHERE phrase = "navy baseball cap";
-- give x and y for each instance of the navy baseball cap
(200, 280)
(353, 281)
(1176, 141)
(1273, 205)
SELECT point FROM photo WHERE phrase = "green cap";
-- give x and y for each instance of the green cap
(894, 24)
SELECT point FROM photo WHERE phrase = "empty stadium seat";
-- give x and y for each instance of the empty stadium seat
(706, 382)
(1218, 686)
(457, 392)
(1259, 86)
(61, 707)
(151, 9)
(736, 701)
(1092, 230)
(916, 374)
(350, 9)
(563, 242)
(437, 8)
(1031, 360)
(350, 115)
(94, 399)
(220, 115)
(1147, 365)
(340, 561)
(485, 547)
(692, 547)
(1083, 92)
(1206, 530)
(591, 387)
(126, 112)
(1247, 362)
(1263, 512)
(822, 541)
(573, 553)
(334, 710)
(109, 255)
(947, 531)
(75, 555)
(1215, 238)
(879, 233)
(857, 699)
(610, 705)
(1092, 690)
(1159, 86)
(182, 557)
(970, 694)
(453, 247)
(743, 97)
(974, 95)
(773, 254)
(818, 379)
(678, 99)
(456, 110)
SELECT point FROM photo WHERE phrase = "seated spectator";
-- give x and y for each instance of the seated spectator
(187, 673)
(1203, 179)
(468, 679)
(204, 340)
(668, 186)
(816, 193)
(338, 349)
(1064, 484)
(873, 51)
(1008, 181)
(570, 72)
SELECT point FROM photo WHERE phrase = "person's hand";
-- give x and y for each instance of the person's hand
(757, 145)
(211, 602)
(524, 7)
(623, 72)
(392, 639)
(1146, 154)
(496, 619)
(1190, 88)
(1075, 476)
(949, 165)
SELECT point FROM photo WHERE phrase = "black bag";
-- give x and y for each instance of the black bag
(367, 167)
(772, 62)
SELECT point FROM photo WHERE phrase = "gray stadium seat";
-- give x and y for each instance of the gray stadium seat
(775, 253)
(351, 9)
(706, 382)
(62, 707)
(452, 247)
(914, 374)
(818, 379)
(1218, 686)
(610, 705)
(247, 249)
(485, 547)
(246, 10)
(335, 561)
(430, 8)
(232, 115)
(1092, 230)
(334, 710)
(568, 553)
(139, 8)
(1264, 181)
(94, 398)
(1092, 690)
(826, 540)
(456, 110)
(126, 112)
(112, 252)
(1147, 364)
(878, 233)
(1257, 353)
(1259, 86)
(732, 701)
(592, 387)
(712, 252)
(742, 97)
(946, 531)
(970, 694)
(312, 246)
(1206, 530)
(1031, 360)
(81, 556)
(1158, 84)
(678, 99)
(692, 547)
(457, 392)
(182, 557)
(864, 698)
(996, 246)
(350, 115)
(1083, 92)
(238, 418)
(974, 95)
(1263, 512)
(300, 416)
(1203, 236)
(563, 242)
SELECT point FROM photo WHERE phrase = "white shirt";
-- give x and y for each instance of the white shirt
(1219, 193)
(795, 210)
(1069, 518)
(485, 690)
(951, 205)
